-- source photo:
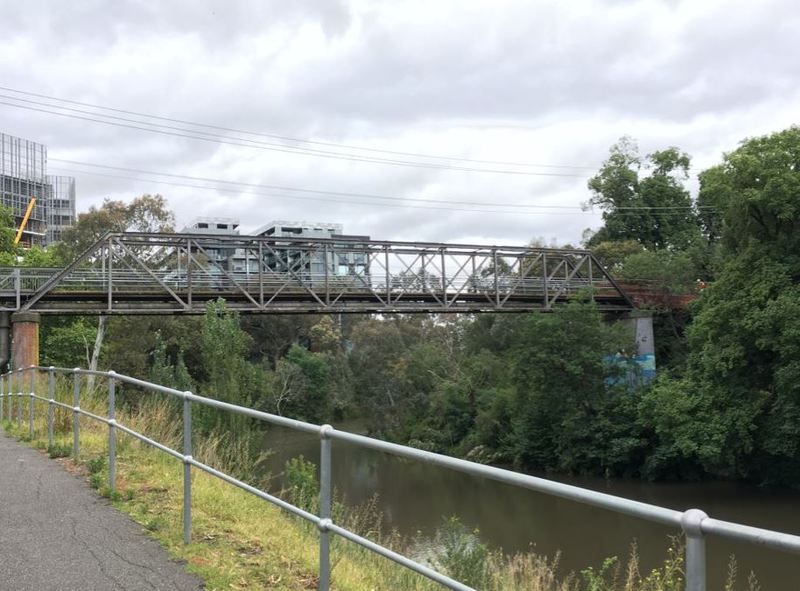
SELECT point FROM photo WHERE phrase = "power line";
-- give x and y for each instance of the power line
(351, 194)
(293, 139)
(219, 139)
(252, 191)
(316, 199)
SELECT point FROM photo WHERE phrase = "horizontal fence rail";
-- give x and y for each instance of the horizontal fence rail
(694, 523)
(125, 273)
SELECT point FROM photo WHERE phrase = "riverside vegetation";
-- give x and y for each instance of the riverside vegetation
(241, 542)
(536, 391)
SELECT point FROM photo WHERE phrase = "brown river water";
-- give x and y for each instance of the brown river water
(416, 497)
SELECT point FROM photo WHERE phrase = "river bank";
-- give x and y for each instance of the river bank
(241, 542)
(414, 499)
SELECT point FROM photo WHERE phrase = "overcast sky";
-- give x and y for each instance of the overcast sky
(539, 88)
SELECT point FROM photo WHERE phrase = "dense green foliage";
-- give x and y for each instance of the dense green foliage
(654, 210)
(553, 392)
(740, 392)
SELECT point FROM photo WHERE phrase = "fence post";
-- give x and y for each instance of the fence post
(691, 523)
(10, 401)
(112, 432)
(324, 507)
(10, 395)
(187, 467)
(51, 393)
(30, 403)
(76, 410)
(2, 394)
(20, 386)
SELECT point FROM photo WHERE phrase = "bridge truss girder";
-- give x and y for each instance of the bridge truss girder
(137, 273)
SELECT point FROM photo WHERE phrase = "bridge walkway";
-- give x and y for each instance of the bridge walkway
(59, 535)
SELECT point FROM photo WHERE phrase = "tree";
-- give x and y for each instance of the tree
(563, 412)
(163, 371)
(311, 386)
(274, 335)
(148, 213)
(655, 210)
(662, 270)
(756, 191)
(740, 392)
(67, 344)
(229, 375)
(613, 253)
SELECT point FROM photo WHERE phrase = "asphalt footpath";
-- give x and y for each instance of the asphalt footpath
(57, 534)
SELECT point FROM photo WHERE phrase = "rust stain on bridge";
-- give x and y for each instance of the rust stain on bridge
(135, 273)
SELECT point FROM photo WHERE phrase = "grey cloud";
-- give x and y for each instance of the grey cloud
(96, 22)
(597, 61)
(545, 82)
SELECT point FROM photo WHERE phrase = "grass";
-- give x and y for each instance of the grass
(242, 542)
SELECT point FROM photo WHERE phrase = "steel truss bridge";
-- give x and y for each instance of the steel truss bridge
(138, 273)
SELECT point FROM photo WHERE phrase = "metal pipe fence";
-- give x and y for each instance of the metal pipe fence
(694, 523)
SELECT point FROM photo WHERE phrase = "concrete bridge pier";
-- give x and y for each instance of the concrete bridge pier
(24, 338)
(641, 324)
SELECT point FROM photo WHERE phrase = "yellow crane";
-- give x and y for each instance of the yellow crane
(25, 220)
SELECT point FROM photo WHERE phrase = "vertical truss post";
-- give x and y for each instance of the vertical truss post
(424, 273)
(496, 279)
(444, 277)
(388, 275)
(473, 280)
(2, 394)
(179, 253)
(189, 272)
(110, 276)
(591, 279)
(327, 285)
(544, 275)
(260, 273)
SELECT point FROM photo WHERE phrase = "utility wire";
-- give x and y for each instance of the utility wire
(293, 139)
(253, 190)
(316, 199)
(219, 139)
(342, 193)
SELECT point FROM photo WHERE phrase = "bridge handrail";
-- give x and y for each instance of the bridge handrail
(694, 523)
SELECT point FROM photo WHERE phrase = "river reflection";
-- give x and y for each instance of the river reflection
(416, 497)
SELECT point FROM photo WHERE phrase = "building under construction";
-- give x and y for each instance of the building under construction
(23, 178)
